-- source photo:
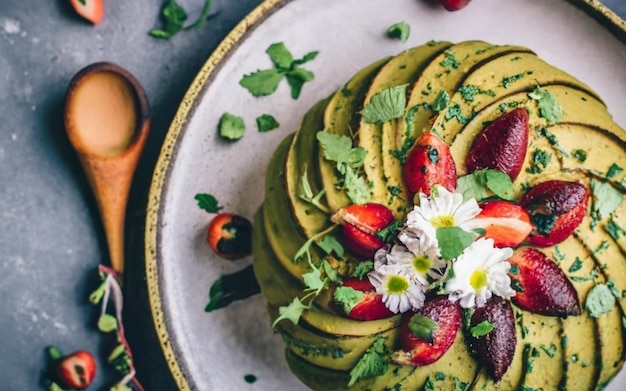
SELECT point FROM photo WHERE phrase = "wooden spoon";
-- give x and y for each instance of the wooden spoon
(107, 120)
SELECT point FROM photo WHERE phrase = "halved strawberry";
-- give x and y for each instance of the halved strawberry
(230, 235)
(506, 223)
(429, 162)
(542, 287)
(77, 370)
(502, 145)
(445, 317)
(358, 300)
(556, 208)
(360, 223)
(92, 10)
(496, 347)
(454, 5)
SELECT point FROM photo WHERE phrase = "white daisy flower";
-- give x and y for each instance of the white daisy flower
(479, 272)
(420, 257)
(442, 209)
(400, 294)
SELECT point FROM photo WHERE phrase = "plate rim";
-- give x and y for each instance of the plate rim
(162, 169)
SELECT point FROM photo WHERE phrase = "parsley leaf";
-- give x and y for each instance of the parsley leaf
(175, 17)
(549, 108)
(605, 198)
(231, 127)
(481, 329)
(372, 363)
(400, 30)
(385, 105)
(292, 312)
(453, 241)
(313, 280)
(266, 122)
(347, 297)
(265, 82)
(207, 202)
(362, 269)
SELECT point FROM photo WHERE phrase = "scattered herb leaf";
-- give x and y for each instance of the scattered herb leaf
(453, 240)
(362, 269)
(231, 127)
(549, 108)
(606, 198)
(347, 297)
(423, 327)
(481, 329)
(266, 122)
(442, 101)
(613, 170)
(292, 312)
(478, 184)
(385, 105)
(372, 363)
(207, 202)
(400, 30)
(330, 244)
(600, 300)
(175, 17)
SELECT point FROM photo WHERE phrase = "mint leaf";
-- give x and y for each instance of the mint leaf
(207, 202)
(453, 241)
(606, 198)
(481, 329)
(231, 127)
(347, 297)
(292, 312)
(478, 184)
(499, 183)
(600, 300)
(385, 105)
(266, 122)
(400, 30)
(261, 83)
(372, 363)
(280, 56)
(549, 108)
(422, 327)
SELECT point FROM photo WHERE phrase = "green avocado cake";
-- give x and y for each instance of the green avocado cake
(452, 218)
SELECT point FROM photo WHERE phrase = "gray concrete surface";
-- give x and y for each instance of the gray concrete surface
(50, 235)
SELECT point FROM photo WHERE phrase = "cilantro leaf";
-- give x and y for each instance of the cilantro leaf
(600, 300)
(453, 241)
(292, 312)
(400, 30)
(280, 56)
(313, 280)
(481, 329)
(478, 184)
(306, 58)
(330, 244)
(423, 327)
(266, 122)
(549, 108)
(362, 269)
(385, 105)
(347, 297)
(175, 17)
(231, 127)
(261, 83)
(606, 198)
(331, 273)
(357, 188)
(372, 363)
(207, 202)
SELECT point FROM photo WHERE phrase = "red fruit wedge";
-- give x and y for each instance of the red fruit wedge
(556, 208)
(429, 162)
(230, 235)
(92, 10)
(418, 350)
(360, 224)
(77, 370)
(495, 348)
(369, 307)
(454, 5)
(502, 145)
(506, 223)
(545, 289)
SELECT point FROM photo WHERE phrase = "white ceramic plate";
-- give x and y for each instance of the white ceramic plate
(214, 351)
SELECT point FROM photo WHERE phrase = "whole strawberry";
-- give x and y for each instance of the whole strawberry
(429, 162)
(556, 208)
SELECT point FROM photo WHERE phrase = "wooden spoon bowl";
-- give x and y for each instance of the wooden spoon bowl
(107, 121)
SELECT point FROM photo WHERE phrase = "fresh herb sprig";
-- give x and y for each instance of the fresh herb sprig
(175, 17)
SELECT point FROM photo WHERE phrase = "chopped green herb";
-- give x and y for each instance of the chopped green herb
(553, 141)
(292, 312)
(576, 265)
(265, 82)
(385, 105)
(175, 16)
(331, 274)
(469, 92)
(606, 198)
(207, 202)
(442, 101)
(507, 80)
(306, 193)
(540, 161)
(266, 122)
(453, 240)
(454, 111)
(231, 127)
(481, 329)
(614, 230)
(550, 350)
(372, 363)
(400, 30)
(362, 269)
(514, 270)
(600, 300)
(250, 378)
(330, 244)
(613, 170)
(450, 60)
(347, 297)
(390, 232)
(580, 155)
(549, 108)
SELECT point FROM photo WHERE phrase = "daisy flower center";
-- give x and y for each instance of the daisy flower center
(421, 263)
(397, 285)
(442, 221)
(479, 279)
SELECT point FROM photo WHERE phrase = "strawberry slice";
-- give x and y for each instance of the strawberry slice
(556, 208)
(454, 5)
(542, 287)
(429, 162)
(494, 348)
(502, 145)
(429, 345)
(360, 223)
(506, 223)
(92, 10)
(358, 300)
